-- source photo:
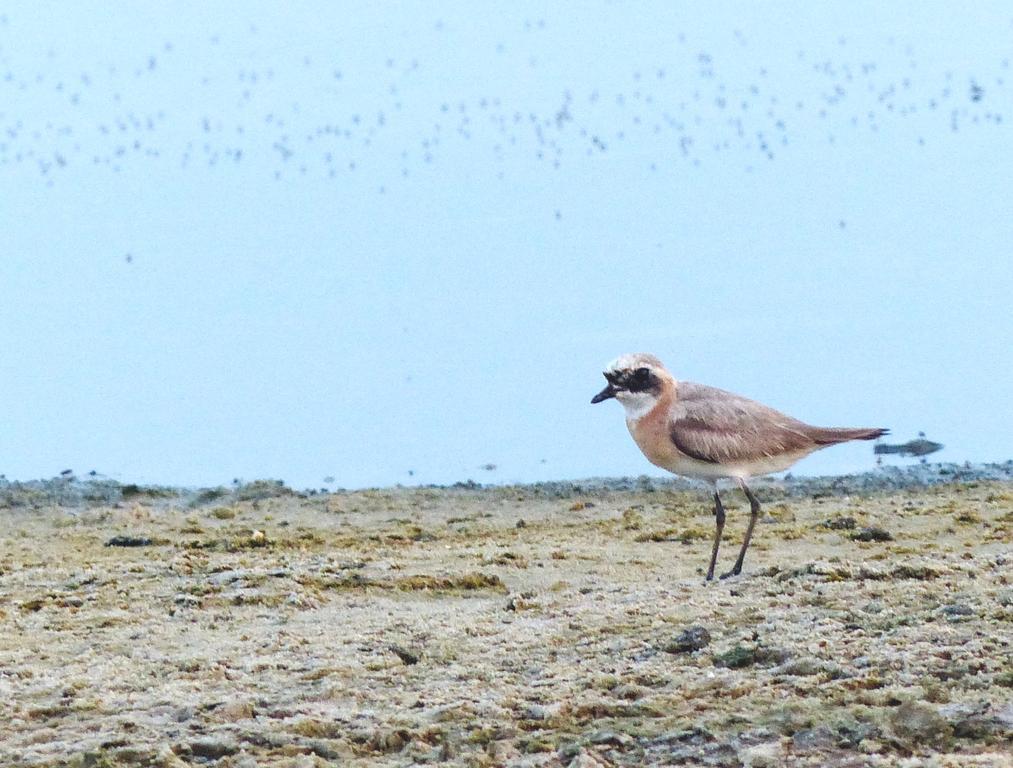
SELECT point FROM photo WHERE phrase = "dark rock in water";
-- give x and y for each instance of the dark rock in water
(872, 534)
(129, 541)
(917, 724)
(689, 640)
(840, 523)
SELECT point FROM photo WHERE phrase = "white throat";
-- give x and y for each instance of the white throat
(637, 404)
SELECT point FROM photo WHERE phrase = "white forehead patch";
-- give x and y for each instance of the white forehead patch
(630, 361)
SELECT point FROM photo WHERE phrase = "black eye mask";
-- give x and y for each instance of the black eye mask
(640, 380)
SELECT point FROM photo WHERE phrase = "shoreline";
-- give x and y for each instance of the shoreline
(88, 492)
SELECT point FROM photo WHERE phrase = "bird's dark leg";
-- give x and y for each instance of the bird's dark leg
(719, 522)
(754, 513)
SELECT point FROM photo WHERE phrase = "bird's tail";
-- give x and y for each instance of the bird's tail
(831, 435)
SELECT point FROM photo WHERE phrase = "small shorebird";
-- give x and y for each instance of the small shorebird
(709, 434)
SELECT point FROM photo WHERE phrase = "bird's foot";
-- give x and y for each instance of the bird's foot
(733, 572)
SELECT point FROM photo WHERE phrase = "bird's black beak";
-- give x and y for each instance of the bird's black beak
(605, 394)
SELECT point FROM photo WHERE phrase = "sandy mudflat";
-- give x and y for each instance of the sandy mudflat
(540, 625)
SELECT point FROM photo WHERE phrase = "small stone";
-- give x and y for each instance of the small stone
(870, 746)
(407, 656)
(854, 733)
(957, 612)
(874, 606)
(568, 751)
(629, 691)
(221, 578)
(235, 710)
(166, 758)
(129, 541)
(182, 714)
(768, 755)
(872, 534)
(689, 640)
(805, 667)
(297, 600)
(390, 740)
(740, 657)
(916, 723)
(972, 721)
(840, 523)
(610, 737)
(813, 739)
(540, 711)
(1004, 716)
(585, 759)
(213, 749)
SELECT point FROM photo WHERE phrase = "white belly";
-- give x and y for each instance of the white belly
(705, 470)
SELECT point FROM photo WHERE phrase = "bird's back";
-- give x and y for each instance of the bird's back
(714, 425)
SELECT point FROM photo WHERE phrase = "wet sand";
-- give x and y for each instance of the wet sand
(559, 624)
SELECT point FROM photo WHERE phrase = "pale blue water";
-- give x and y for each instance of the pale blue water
(336, 241)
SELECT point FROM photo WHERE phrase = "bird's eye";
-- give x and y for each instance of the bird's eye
(642, 373)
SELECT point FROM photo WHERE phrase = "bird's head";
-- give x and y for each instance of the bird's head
(635, 380)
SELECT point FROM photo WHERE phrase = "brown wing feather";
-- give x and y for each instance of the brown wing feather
(712, 425)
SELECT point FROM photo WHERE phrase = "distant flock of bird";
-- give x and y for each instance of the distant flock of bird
(686, 109)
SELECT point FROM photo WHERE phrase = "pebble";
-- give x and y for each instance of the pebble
(916, 724)
(973, 721)
(166, 758)
(235, 710)
(741, 656)
(689, 640)
(129, 541)
(813, 739)
(956, 612)
(872, 534)
(585, 759)
(212, 748)
(768, 755)
(408, 657)
(804, 667)
(840, 523)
